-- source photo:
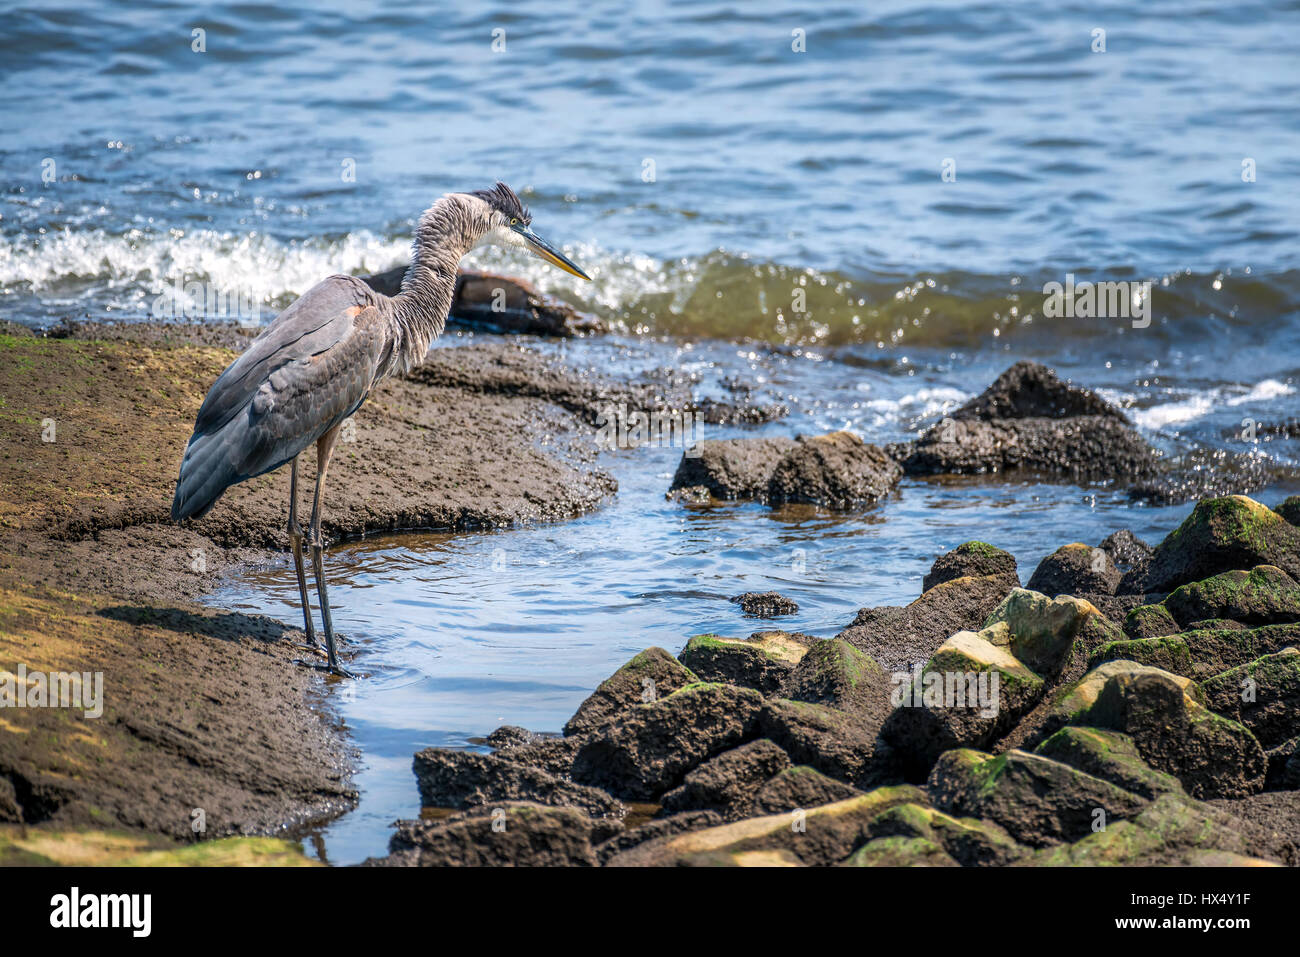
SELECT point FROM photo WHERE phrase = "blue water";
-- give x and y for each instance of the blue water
(774, 171)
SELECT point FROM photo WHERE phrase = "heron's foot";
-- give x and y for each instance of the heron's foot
(306, 648)
(335, 670)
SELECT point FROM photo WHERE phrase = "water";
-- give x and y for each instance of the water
(772, 171)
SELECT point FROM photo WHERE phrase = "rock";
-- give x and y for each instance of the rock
(799, 787)
(900, 852)
(837, 470)
(1110, 756)
(1284, 765)
(1126, 550)
(728, 783)
(464, 779)
(511, 736)
(1042, 632)
(903, 637)
(824, 834)
(1221, 534)
(973, 559)
(1150, 621)
(651, 674)
(777, 858)
(652, 746)
(1201, 652)
(766, 605)
(728, 469)
(970, 842)
(1029, 419)
(1166, 717)
(836, 674)
(511, 835)
(1263, 695)
(827, 739)
(501, 304)
(1037, 800)
(658, 828)
(1076, 569)
(761, 661)
(1290, 510)
(1265, 595)
(1173, 830)
(552, 754)
(969, 694)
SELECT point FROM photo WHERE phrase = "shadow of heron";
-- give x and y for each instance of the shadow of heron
(226, 625)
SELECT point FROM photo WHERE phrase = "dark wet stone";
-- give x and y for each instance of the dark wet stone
(799, 786)
(1075, 569)
(1126, 550)
(832, 741)
(974, 559)
(650, 675)
(768, 604)
(464, 779)
(1263, 695)
(760, 661)
(837, 470)
(728, 783)
(663, 827)
(728, 469)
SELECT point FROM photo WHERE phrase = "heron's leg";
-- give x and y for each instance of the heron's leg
(324, 449)
(295, 537)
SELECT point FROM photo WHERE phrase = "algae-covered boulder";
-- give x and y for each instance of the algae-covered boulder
(832, 741)
(900, 851)
(1166, 717)
(652, 746)
(815, 836)
(969, 841)
(462, 779)
(728, 469)
(799, 786)
(1035, 799)
(508, 835)
(899, 638)
(1264, 595)
(728, 783)
(1040, 631)
(1221, 534)
(1263, 695)
(972, 559)
(651, 674)
(836, 674)
(969, 694)
(1173, 830)
(1202, 652)
(836, 470)
(761, 661)
(1150, 621)
(1076, 569)
(1110, 756)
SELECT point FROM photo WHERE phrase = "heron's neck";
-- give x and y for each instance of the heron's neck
(447, 231)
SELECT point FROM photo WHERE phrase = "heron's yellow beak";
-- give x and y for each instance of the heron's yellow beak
(548, 252)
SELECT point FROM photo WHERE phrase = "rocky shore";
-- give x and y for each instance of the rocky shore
(983, 724)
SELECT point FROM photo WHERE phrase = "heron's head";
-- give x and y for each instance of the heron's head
(511, 224)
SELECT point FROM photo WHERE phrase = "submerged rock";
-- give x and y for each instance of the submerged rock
(768, 604)
(837, 470)
(728, 469)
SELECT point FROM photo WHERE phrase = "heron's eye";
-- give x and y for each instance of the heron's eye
(514, 222)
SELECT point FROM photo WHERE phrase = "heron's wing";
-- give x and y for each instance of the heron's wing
(311, 369)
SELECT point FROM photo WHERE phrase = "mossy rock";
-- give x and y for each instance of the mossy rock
(1200, 653)
(901, 852)
(1042, 631)
(1076, 569)
(649, 675)
(49, 847)
(1150, 621)
(836, 674)
(969, 841)
(975, 559)
(1169, 653)
(1263, 695)
(760, 662)
(1110, 756)
(1265, 595)
(1221, 534)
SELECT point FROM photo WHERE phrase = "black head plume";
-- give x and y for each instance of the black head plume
(502, 198)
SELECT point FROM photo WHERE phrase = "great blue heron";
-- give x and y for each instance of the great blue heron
(319, 360)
